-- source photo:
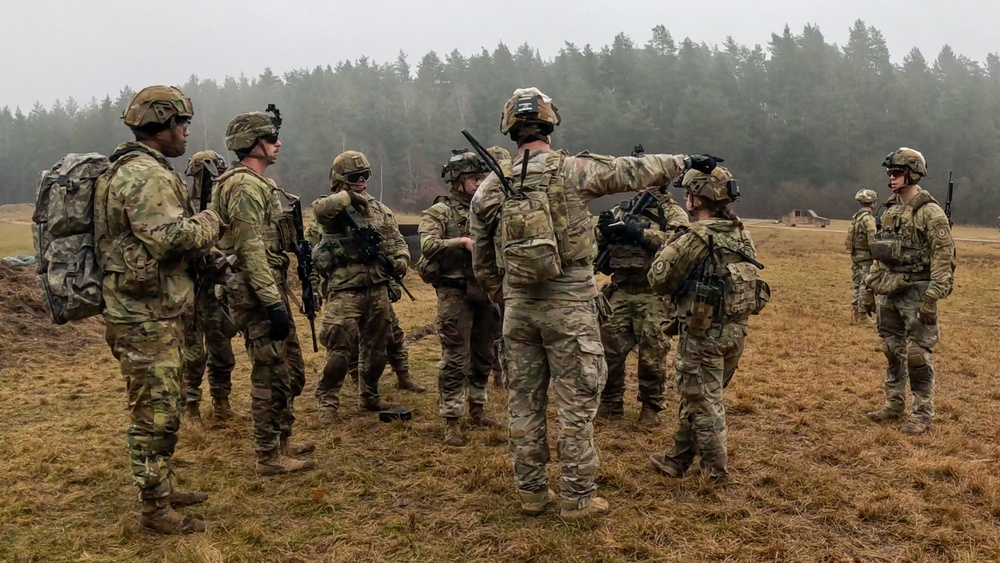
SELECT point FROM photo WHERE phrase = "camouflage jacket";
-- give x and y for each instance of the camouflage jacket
(338, 256)
(255, 230)
(584, 177)
(441, 227)
(860, 236)
(915, 241)
(147, 237)
(680, 258)
(630, 262)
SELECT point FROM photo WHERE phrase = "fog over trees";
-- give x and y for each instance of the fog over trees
(801, 122)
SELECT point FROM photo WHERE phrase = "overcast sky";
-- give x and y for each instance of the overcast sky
(85, 48)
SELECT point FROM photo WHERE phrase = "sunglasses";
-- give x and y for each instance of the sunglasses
(271, 139)
(895, 173)
(357, 177)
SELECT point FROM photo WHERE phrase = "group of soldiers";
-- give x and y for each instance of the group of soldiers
(903, 263)
(510, 252)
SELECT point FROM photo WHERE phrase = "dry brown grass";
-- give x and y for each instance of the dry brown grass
(812, 479)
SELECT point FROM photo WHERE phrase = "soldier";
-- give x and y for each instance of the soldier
(860, 236)
(708, 269)
(914, 268)
(257, 232)
(208, 328)
(533, 250)
(499, 154)
(146, 240)
(639, 317)
(466, 319)
(357, 299)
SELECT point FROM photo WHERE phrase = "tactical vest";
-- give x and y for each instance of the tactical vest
(339, 247)
(545, 228)
(630, 262)
(278, 229)
(450, 263)
(857, 238)
(898, 243)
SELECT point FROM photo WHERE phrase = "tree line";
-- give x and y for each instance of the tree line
(803, 123)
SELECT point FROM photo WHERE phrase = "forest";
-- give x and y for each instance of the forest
(802, 122)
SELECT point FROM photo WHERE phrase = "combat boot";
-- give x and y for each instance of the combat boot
(665, 467)
(274, 463)
(221, 409)
(648, 416)
(534, 504)
(572, 509)
(860, 317)
(192, 410)
(915, 426)
(885, 414)
(185, 498)
(376, 404)
(288, 448)
(158, 516)
(406, 383)
(329, 417)
(608, 411)
(453, 433)
(477, 413)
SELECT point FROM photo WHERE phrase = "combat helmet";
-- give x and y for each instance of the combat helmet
(244, 130)
(718, 186)
(349, 167)
(866, 196)
(157, 105)
(907, 159)
(462, 161)
(197, 162)
(528, 112)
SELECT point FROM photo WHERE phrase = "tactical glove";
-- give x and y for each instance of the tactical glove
(928, 313)
(630, 232)
(358, 202)
(704, 163)
(604, 221)
(281, 325)
(399, 266)
(868, 302)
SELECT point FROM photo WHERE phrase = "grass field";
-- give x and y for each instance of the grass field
(812, 479)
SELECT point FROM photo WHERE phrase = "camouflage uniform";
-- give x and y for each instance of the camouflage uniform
(860, 235)
(467, 320)
(357, 300)
(208, 328)
(500, 155)
(914, 268)
(639, 317)
(146, 237)
(550, 328)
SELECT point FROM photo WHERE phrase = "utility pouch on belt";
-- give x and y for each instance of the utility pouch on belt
(883, 282)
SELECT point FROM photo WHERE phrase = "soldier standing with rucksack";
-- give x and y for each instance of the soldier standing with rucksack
(146, 240)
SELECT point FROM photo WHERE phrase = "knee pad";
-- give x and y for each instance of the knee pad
(916, 357)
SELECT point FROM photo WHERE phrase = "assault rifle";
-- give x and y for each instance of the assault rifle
(947, 202)
(644, 201)
(208, 173)
(494, 166)
(303, 254)
(368, 239)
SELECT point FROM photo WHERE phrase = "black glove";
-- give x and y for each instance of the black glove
(704, 162)
(358, 201)
(604, 221)
(630, 232)
(281, 325)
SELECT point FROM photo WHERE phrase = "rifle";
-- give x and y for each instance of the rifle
(303, 254)
(208, 174)
(947, 202)
(505, 186)
(645, 200)
(369, 238)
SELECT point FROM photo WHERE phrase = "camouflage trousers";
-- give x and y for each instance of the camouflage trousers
(555, 341)
(277, 375)
(149, 354)
(499, 369)
(395, 350)
(705, 366)
(208, 342)
(637, 319)
(466, 326)
(859, 271)
(351, 315)
(908, 344)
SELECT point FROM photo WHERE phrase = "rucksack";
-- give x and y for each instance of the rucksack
(527, 237)
(63, 232)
